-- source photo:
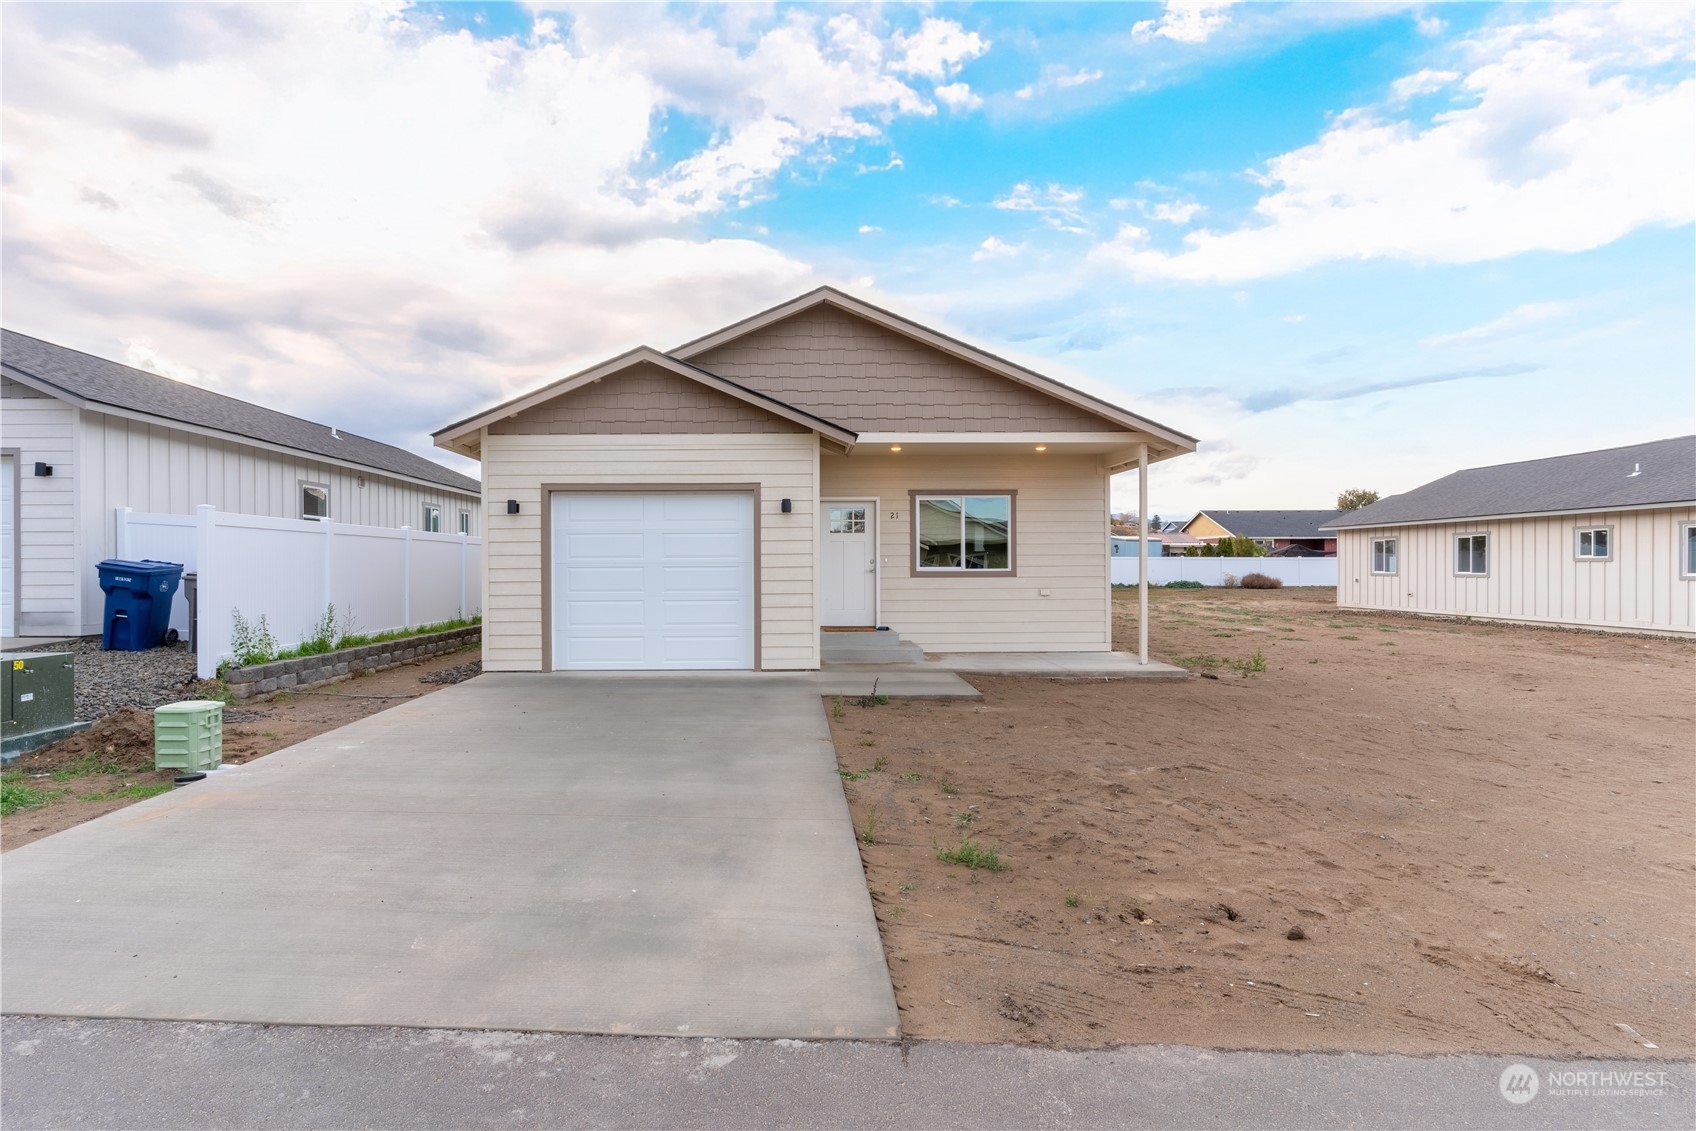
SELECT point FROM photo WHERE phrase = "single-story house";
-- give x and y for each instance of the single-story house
(81, 436)
(1126, 547)
(825, 463)
(1603, 539)
(1271, 530)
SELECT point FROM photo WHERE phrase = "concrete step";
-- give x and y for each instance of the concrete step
(867, 648)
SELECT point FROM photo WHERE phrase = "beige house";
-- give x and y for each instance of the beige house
(1602, 539)
(824, 464)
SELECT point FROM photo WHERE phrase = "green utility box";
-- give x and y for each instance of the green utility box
(188, 736)
(39, 689)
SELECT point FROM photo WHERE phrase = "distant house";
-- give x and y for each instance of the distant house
(81, 436)
(1603, 539)
(1123, 547)
(1280, 533)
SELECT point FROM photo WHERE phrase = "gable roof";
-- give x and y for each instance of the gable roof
(1166, 442)
(1270, 524)
(84, 379)
(1637, 475)
(461, 435)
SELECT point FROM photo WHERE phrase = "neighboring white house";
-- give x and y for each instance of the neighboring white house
(81, 436)
(1602, 539)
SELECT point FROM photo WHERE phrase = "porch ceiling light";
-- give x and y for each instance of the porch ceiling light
(1042, 447)
(895, 447)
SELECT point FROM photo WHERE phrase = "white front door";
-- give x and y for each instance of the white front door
(848, 572)
(660, 581)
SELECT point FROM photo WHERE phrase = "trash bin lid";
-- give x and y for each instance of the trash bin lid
(146, 566)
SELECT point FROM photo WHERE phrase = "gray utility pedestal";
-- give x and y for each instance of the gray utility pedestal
(39, 692)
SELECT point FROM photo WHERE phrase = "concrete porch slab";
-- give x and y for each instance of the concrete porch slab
(898, 681)
(1060, 665)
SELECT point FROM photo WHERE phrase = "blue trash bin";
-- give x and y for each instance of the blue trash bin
(138, 603)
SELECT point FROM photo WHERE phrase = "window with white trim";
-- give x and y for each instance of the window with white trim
(1471, 555)
(1687, 549)
(1593, 543)
(465, 522)
(432, 519)
(314, 500)
(1384, 555)
(963, 533)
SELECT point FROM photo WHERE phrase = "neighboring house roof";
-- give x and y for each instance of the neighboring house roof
(1638, 475)
(85, 379)
(1270, 524)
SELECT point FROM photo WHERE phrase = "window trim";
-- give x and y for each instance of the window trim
(425, 526)
(1579, 531)
(1684, 533)
(1454, 553)
(1395, 556)
(913, 497)
(465, 522)
(301, 486)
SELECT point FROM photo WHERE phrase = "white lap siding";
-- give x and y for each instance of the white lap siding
(784, 464)
(41, 429)
(1060, 538)
(1533, 573)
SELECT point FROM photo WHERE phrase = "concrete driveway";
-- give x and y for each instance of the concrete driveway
(661, 856)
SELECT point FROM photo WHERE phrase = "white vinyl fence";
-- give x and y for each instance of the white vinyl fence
(291, 570)
(1212, 571)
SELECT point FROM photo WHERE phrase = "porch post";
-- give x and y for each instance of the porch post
(1142, 554)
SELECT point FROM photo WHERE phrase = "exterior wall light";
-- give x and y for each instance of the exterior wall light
(1042, 447)
(895, 447)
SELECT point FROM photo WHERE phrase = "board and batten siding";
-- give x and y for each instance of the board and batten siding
(41, 429)
(785, 465)
(1534, 574)
(1060, 545)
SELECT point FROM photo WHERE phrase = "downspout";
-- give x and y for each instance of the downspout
(1142, 555)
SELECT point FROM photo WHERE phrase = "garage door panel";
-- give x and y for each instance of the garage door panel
(653, 581)
(581, 547)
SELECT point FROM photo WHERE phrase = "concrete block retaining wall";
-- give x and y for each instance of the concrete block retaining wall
(311, 671)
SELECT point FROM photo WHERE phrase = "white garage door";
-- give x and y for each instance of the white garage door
(650, 582)
(8, 546)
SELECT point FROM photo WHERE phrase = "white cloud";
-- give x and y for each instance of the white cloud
(868, 229)
(944, 200)
(957, 96)
(1426, 81)
(1295, 318)
(1178, 212)
(353, 214)
(1059, 206)
(1574, 139)
(938, 48)
(1057, 78)
(995, 248)
(1185, 21)
(889, 166)
(1520, 318)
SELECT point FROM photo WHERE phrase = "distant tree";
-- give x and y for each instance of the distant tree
(1232, 547)
(1355, 498)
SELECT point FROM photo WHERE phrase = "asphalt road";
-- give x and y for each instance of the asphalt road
(144, 1074)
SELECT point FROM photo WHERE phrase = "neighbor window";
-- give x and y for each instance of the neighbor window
(1687, 548)
(1264, 543)
(1594, 544)
(1383, 555)
(465, 522)
(1470, 556)
(955, 533)
(314, 500)
(432, 519)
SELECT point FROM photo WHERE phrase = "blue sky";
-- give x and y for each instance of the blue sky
(1343, 245)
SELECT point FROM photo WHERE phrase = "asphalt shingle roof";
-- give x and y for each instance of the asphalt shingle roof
(97, 380)
(1662, 471)
(1272, 524)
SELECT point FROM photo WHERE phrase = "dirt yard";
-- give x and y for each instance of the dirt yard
(110, 765)
(1401, 835)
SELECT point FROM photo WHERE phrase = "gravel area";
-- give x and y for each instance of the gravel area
(457, 674)
(107, 681)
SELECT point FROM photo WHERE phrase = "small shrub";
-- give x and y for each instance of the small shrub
(965, 818)
(1261, 581)
(868, 831)
(948, 787)
(1072, 899)
(1228, 581)
(322, 636)
(251, 641)
(1184, 585)
(1255, 663)
(973, 855)
(837, 709)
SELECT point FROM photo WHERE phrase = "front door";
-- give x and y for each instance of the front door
(848, 579)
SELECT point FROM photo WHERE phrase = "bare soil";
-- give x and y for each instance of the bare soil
(1402, 835)
(110, 765)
